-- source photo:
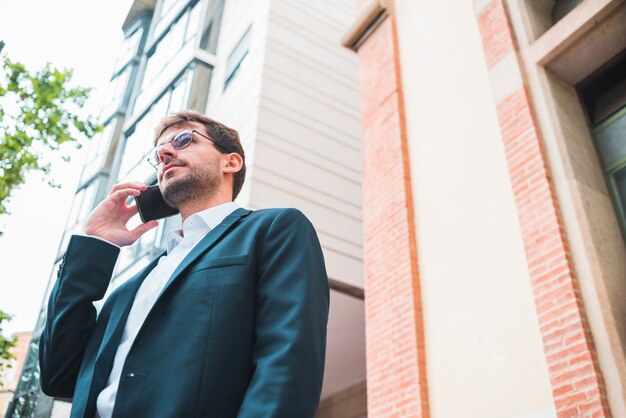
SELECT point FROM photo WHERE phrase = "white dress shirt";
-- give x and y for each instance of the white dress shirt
(195, 228)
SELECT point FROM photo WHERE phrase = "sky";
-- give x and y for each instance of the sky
(84, 36)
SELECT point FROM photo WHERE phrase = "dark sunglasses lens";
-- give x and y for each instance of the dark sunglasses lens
(182, 139)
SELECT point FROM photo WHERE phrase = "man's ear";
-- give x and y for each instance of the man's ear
(234, 163)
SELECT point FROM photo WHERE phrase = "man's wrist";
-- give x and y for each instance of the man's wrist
(84, 234)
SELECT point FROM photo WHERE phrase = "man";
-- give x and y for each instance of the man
(229, 322)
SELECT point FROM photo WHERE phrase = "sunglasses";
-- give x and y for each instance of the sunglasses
(180, 141)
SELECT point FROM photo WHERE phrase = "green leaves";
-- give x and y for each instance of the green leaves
(38, 111)
(6, 344)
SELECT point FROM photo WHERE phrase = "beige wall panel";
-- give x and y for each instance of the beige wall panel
(309, 102)
(307, 151)
(238, 105)
(483, 347)
(309, 170)
(312, 134)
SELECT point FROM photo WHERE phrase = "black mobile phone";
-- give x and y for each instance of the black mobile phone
(151, 205)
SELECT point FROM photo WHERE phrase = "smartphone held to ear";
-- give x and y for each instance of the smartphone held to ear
(151, 205)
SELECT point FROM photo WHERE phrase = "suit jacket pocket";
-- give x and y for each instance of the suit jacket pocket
(224, 261)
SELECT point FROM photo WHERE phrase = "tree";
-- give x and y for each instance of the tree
(6, 344)
(38, 112)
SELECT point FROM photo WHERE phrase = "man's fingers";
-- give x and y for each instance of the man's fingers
(143, 228)
(122, 194)
(129, 212)
(128, 185)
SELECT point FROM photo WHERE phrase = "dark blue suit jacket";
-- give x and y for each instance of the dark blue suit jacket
(238, 331)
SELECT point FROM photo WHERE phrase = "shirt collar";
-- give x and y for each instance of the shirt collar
(201, 223)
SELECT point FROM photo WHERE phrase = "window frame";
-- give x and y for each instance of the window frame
(230, 69)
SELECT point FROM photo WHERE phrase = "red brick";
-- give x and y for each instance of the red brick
(570, 353)
(396, 364)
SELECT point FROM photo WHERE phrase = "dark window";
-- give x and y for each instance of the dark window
(604, 97)
(563, 7)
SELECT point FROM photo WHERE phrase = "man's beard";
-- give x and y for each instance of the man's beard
(198, 183)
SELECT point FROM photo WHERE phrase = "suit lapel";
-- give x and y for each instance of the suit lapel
(206, 244)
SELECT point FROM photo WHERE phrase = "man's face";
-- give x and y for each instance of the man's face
(191, 173)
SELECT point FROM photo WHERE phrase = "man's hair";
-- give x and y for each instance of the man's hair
(226, 139)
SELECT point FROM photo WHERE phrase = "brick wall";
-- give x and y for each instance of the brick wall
(396, 371)
(577, 383)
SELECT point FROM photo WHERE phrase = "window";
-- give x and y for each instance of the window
(563, 7)
(236, 58)
(193, 23)
(164, 58)
(83, 203)
(137, 145)
(134, 166)
(610, 137)
(169, 9)
(27, 391)
(98, 147)
(128, 49)
(116, 92)
(211, 30)
(605, 100)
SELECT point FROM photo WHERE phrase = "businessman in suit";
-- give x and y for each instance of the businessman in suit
(229, 322)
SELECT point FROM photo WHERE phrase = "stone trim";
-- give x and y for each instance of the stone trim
(577, 383)
(365, 25)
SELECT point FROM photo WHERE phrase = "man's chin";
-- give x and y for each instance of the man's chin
(174, 190)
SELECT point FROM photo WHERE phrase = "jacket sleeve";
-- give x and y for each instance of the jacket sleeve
(83, 278)
(291, 318)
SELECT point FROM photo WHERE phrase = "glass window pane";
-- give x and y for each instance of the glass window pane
(116, 93)
(176, 37)
(166, 6)
(611, 139)
(66, 238)
(88, 200)
(563, 7)
(98, 148)
(140, 172)
(76, 205)
(179, 94)
(135, 146)
(619, 177)
(159, 110)
(163, 61)
(128, 48)
(236, 57)
(194, 21)
(169, 9)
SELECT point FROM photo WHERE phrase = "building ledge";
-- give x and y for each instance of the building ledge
(369, 19)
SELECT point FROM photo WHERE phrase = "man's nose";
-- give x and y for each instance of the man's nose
(166, 152)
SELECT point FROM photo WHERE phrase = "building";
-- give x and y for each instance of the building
(472, 213)
(494, 145)
(275, 71)
(11, 375)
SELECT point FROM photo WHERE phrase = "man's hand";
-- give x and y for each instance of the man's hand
(108, 220)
